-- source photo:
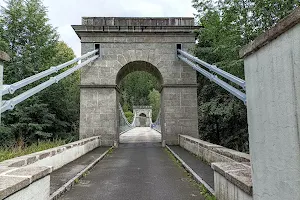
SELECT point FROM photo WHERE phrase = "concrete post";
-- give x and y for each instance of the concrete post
(3, 57)
(272, 69)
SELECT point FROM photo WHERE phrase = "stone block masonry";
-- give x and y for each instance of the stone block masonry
(137, 44)
(28, 177)
(232, 170)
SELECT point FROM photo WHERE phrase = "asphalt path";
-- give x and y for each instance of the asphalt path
(136, 171)
(140, 135)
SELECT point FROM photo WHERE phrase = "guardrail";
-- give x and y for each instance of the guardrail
(189, 59)
(10, 89)
(157, 124)
(124, 124)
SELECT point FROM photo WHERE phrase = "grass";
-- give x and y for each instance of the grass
(203, 190)
(110, 151)
(12, 152)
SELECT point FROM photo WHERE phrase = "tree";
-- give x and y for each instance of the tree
(135, 88)
(228, 25)
(63, 98)
(34, 47)
(154, 99)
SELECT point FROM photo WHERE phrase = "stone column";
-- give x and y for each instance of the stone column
(99, 112)
(179, 112)
(3, 57)
(272, 69)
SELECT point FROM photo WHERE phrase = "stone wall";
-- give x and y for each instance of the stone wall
(272, 71)
(152, 49)
(137, 21)
(27, 177)
(232, 170)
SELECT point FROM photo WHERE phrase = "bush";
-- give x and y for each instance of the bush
(7, 138)
(129, 115)
(12, 152)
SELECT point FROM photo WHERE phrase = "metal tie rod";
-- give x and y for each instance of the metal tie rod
(215, 69)
(10, 89)
(240, 95)
(9, 105)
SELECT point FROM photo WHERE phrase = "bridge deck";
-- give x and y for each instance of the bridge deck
(136, 171)
(202, 169)
(59, 177)
(140, 134)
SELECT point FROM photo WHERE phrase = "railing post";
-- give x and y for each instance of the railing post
(3, 57)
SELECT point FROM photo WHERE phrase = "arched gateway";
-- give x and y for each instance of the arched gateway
(137, 44)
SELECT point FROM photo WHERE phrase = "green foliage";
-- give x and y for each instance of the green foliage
(12, 152)
(6, 138)
(135, 88)
(228, 25)
(154, 99)
(140, 88)
(129, 115)
(34, 47)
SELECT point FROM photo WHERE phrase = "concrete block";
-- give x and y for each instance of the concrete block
(225, 190)
(9, 185)
(39, 190)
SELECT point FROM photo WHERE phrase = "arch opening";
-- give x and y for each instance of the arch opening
(138, 66)
(140, 83)
(143, 115)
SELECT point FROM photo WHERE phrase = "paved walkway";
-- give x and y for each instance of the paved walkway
(202, 169)
(61, 176)
(140, 135)
(135, 171)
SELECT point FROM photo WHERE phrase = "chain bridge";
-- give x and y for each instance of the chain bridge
(116, 159)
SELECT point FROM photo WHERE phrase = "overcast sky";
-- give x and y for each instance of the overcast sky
(64, 13)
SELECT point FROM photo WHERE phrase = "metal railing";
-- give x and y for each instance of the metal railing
(157, 124)
(124, 125)
(10, 89)
(189, 59)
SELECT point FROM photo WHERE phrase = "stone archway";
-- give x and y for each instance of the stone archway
(124, 42)
(143, 113)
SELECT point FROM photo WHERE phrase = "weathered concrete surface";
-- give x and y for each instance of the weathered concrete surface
(135, 172)
(202, 169)
(238, 174)
(55, 157)
(67, 172)
(139, 135)
(18, 176)
(273, 94)
(18, 182)
(231, 170)
(210, 153)
(38, 190)
(226, 190)
(138, 21)
(149, 45)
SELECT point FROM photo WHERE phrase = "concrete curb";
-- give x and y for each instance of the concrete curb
(191, 171)
(67, 186)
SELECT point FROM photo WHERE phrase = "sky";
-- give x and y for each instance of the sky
(64, 13)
